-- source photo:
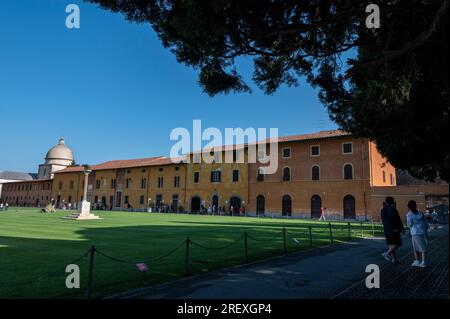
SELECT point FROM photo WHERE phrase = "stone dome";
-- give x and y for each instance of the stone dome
(59, 154)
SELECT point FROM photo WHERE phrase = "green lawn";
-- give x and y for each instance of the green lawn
(35, 248)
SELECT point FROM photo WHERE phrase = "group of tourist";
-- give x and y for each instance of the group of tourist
(418, 224)
(4, 207)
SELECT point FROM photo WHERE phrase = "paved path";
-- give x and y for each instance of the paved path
(330, 272)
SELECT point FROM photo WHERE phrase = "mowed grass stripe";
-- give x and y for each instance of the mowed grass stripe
(34, 244)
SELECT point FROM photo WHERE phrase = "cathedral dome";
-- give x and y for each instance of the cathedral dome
(59, 154)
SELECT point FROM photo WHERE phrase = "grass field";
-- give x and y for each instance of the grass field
(35, 248)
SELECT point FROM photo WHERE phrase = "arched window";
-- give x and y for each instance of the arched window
(315, 173)
(348, 171)
(316, 206)
(286, 174)
(260, 205)
(286, 205)
(349, 207)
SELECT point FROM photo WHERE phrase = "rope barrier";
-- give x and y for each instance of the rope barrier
(265, 240)
(217, 248)
(123, 261)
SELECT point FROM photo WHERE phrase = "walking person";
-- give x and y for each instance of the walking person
(6, 206)
(322, 214)
(418, 227)
(393, 228)
(434, 218)
(1, 206)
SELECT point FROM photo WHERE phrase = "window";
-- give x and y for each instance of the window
(260, 175)
(113, 184)
(236, 175)
(347, 148)
(127, 200)
(286, 174)
(128, 183)
(72, 184)
(234, 156)
(286, 152)
(315, 150)
(160, 169)
(196, 177)
(315, 173)
(60, 185)
(143, 171)
(384, 177)
(392, 179)
(176, 181)
(216, 176)
(160, 182)
(97, 184)
(141, 200)
(143, 183)
(128, 172)
(177, 168)
(348, 171)
(70, 199)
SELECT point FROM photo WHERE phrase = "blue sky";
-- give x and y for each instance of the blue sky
(113, 91)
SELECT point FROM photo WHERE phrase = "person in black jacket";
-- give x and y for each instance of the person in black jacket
(393, 229)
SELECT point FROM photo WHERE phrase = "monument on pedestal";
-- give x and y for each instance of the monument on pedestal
(84, 207)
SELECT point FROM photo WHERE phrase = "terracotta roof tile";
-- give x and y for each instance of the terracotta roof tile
(161, 160)
(140, 162)
(313, 136)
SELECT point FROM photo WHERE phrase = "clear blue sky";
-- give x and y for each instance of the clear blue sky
(113, 91)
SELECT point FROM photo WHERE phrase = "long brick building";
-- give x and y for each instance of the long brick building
(330, 169)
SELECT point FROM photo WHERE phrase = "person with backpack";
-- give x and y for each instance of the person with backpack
(418, 226)
(393, 228)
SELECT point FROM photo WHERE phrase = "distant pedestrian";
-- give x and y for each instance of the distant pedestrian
(435, 219)
(418, 227)
(322, 213)
(231, 210)
(428, 216)
(209, 210)
(6, 206)
(393, 228)
(1, 206)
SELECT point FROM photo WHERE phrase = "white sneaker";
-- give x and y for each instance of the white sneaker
(416, 263)
(387, 256)
(423, 264)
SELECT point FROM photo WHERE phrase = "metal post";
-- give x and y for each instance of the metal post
(362, 230)
(349, 231)
(310, 237)
(245, 248)
(284, 240)
(373, 229)
(90, 272)
(186, 259)
(331, 232)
